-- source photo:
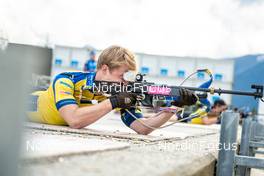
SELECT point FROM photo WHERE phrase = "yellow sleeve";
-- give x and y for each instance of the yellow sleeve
(63, 89)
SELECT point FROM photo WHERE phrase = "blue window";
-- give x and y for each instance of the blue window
(144, 70)
(181, 74)
(58, 61)
(74, 63)
(200, 75)
(218, 77)
(164, 72)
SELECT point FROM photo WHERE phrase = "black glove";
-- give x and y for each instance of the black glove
(187, 97)
(123, 100)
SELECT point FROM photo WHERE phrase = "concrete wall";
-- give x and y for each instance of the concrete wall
(39, 58)
(15, 69)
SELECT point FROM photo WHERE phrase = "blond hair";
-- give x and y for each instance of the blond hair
(115, 56)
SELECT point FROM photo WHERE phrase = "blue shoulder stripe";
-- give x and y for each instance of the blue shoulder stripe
(64, 102)
(66, 84)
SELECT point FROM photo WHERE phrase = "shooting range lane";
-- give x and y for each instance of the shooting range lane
(152, 158)
(110, 141)
(112, 126)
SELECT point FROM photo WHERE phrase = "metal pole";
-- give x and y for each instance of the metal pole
(244, 145)
(227, 146)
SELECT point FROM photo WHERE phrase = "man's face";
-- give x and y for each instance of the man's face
(116, 74)
(220, 108)
(92, 56)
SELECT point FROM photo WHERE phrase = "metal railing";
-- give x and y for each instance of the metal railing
(252, 137)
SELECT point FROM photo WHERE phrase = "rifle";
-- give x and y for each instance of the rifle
(160, 96)
(146, 90)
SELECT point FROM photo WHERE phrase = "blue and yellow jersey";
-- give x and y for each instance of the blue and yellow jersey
(67, 88)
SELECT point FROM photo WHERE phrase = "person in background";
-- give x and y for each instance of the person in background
(90, 65)
(213, 116)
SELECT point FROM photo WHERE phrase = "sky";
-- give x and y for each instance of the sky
(205, 28)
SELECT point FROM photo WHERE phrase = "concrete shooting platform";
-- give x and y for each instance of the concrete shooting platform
(112, 126)
(108, 147)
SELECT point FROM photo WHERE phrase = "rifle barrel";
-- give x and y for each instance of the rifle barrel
(222, 91)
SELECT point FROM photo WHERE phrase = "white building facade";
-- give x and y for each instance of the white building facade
(170, 70)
